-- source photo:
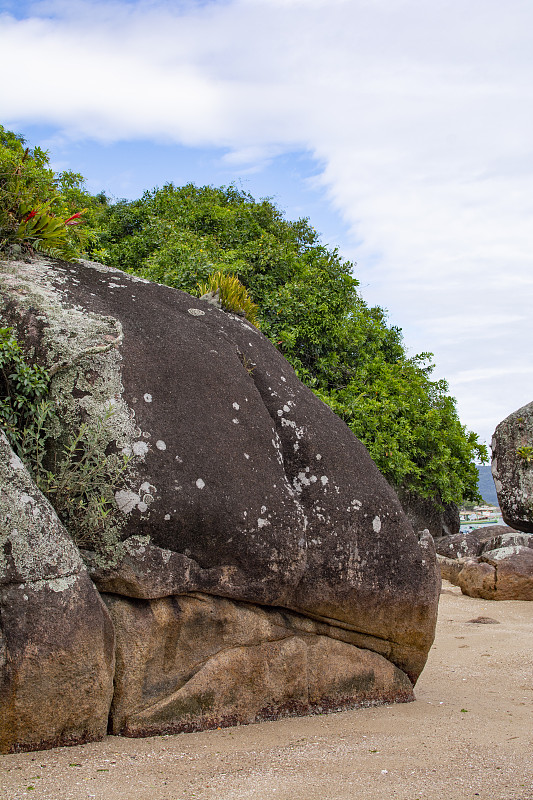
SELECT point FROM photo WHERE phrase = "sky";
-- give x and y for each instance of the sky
(402, 128)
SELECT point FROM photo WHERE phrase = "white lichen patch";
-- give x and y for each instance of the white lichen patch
(166, 517)
(147, 397)
(290, 423)
(58, 584)
(247, 456)
(376, 524)
(262, 523)
(301, 481)
(200, 483)
(318, 457)
(139, 449)
(160, 444)
(235, 421)
(324, 480)
(236, 406)
(196, 312)
(127, 500)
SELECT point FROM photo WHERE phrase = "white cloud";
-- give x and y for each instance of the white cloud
(420, 113)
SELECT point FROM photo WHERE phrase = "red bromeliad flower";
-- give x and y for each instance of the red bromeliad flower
(29, 216)
(74, 219)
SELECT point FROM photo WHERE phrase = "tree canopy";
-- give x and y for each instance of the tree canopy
(308, 306)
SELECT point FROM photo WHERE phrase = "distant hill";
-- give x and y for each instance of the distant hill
(486, 486)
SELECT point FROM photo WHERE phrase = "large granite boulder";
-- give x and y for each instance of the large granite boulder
(244, 491)
(495, 563)
(512, 468)
(56, 637)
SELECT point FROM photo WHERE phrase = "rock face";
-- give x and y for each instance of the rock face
(249, 512)
(494, 562)
(56, 637)
(512, 468)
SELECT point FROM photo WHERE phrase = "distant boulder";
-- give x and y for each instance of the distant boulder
(248, 511)
(463, 545)
(494, 563)
(512, 468)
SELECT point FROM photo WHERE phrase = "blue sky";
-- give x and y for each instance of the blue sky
(401, 128)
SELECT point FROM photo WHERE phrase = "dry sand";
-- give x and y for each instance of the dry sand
(469, 735)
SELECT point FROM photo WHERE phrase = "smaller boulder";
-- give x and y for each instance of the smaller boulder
(56, 637)
(514, 569)
(477, 579)
(471, 544)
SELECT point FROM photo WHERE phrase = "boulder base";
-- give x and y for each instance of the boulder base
(196, 662)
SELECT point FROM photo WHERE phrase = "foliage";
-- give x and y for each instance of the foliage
(81, 485)
(39, 210)
(79, 482)
(227, 290)
(24, 411)
(310, 309)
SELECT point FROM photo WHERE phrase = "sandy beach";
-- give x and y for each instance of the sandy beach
(468, 735)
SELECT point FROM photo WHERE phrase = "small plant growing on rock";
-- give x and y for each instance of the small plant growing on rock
(226, 291)
(525, 453)
(81, 485)
(24, 411)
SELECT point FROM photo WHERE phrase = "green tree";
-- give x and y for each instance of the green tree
(310, 308)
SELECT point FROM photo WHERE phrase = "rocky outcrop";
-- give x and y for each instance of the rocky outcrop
(249, 511)
(56, 637)
(494, 563)
(512, 468)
